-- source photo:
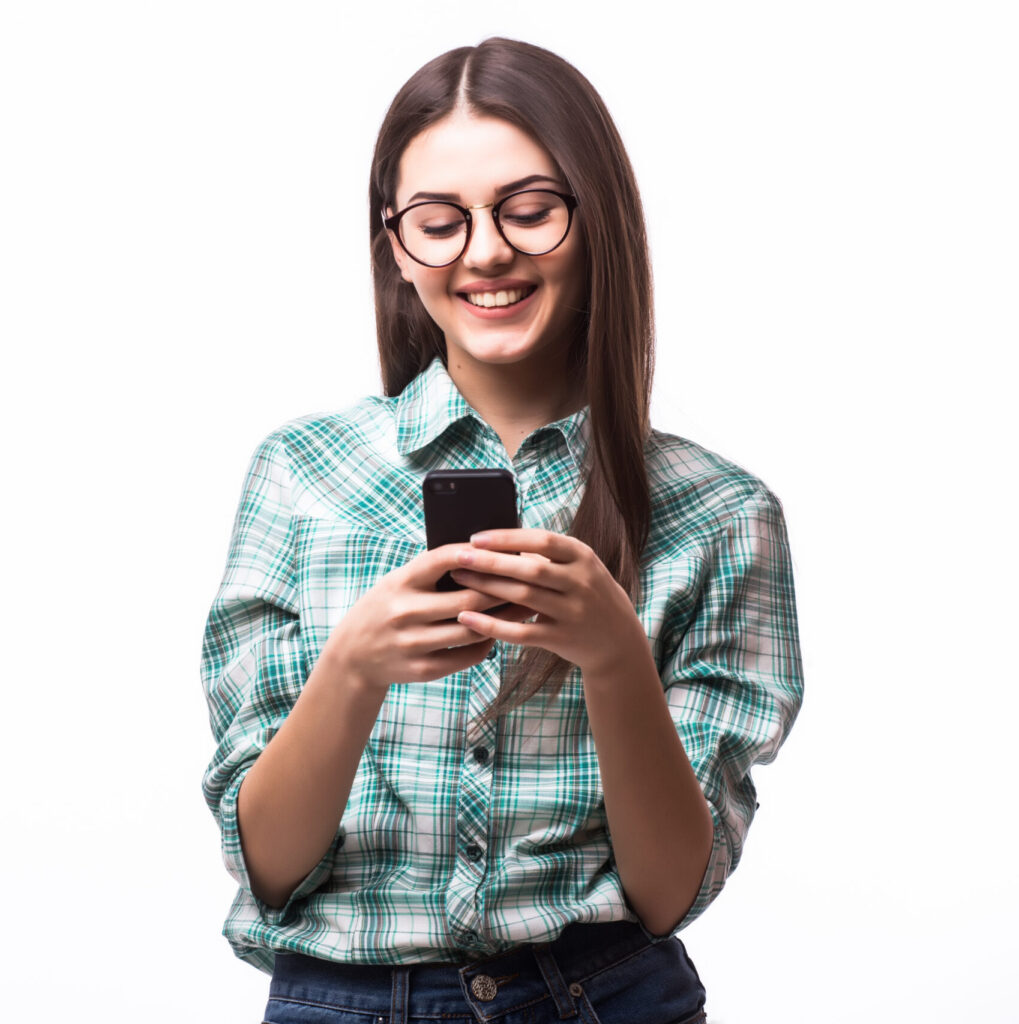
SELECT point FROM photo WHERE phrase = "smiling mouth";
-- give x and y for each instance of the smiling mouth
(504, 297)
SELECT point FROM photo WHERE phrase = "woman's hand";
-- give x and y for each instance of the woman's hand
(404, 630)
(583, 614)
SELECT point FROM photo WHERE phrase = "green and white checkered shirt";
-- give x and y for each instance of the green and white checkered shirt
(448, 850)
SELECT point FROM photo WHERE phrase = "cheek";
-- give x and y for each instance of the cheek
(573, 269)
(431, 290)
(572, 281)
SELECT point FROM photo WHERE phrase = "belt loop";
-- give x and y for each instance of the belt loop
(554, 979)
(401, 993)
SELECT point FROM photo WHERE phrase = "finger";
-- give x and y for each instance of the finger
(511, 613)
(445, 663)
(536, 570)
(440, 637)
(538, 598)
(423, 570)
(448, 604)
(514, 632)
(557, 547)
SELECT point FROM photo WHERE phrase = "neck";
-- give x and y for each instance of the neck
(517, 398)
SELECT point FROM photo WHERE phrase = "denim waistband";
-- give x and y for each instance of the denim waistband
(491, 986)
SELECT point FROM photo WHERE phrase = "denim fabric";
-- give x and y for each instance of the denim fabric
(592, 974)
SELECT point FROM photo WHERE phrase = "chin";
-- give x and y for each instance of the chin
(500, 352)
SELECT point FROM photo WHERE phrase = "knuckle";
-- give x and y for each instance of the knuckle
(400, 612)
(406, 643)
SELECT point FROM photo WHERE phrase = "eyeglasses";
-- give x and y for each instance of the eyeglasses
(533, 222)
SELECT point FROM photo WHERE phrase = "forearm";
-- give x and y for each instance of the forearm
(293, 797)
(659, 820)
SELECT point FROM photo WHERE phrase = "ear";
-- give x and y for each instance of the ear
(402, 259)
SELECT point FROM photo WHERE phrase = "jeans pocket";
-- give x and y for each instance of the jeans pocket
(586, 1013)
(658, 985)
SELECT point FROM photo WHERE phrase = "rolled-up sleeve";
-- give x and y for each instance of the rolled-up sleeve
(734, 680)
(253, 664)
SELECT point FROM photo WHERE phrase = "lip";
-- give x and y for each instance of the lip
(498, 312)
(497, 285)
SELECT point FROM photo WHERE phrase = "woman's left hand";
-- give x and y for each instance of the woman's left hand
(583, 614)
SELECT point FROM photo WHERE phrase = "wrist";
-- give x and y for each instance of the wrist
(341, 672)
(628, 654)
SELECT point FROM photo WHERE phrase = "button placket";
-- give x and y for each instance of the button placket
(464, 897)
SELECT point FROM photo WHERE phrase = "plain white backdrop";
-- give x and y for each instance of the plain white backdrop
(831, 195)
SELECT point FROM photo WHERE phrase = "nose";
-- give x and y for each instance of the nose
(486, 248)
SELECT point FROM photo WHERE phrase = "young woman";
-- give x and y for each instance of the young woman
(498, 802)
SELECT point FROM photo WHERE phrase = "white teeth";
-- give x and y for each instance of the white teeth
(502, 298)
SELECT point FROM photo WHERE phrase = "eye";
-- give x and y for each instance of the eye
(440, 230)
(526, 213)
(433, 221)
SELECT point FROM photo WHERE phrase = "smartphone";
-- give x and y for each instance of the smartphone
(459, 502)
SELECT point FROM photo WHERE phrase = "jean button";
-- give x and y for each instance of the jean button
(484, 988)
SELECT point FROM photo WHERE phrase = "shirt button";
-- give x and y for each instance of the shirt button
(493, 653)
(481, 754)
(474, 851)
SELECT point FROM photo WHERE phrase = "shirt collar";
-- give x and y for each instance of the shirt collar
(431, 403)
(427, 406)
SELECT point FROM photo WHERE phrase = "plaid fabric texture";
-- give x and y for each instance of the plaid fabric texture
(450, 846)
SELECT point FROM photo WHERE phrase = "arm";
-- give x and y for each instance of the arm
(659, 821)
(733, 675)
(675, 762)
(292, 799)
(294, 796)
(253, 664)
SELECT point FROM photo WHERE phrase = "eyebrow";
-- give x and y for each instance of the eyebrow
(513, 186)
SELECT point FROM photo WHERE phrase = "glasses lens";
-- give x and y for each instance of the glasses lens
(433, 233)
(534, 222)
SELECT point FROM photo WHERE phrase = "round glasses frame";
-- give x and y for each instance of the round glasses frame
(393, 223)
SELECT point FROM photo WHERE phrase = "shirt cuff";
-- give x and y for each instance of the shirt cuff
(233, 858)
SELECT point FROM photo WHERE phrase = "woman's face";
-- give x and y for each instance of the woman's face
(473, 160)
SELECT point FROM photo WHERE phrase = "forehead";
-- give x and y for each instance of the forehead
(470, 156)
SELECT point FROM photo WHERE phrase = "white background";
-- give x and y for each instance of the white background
(831, 191)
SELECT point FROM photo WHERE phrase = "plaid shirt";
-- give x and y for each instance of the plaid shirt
(449, 849)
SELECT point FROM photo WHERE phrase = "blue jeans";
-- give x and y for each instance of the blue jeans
(592, 974)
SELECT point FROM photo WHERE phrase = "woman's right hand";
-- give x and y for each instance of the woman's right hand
(404, 630)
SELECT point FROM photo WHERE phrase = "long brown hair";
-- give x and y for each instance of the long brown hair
(551, 101)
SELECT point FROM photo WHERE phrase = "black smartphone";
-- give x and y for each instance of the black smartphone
(459, 502)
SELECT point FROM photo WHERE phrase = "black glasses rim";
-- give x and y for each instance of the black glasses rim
(392, 223)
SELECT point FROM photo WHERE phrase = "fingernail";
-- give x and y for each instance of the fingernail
(480, 538)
